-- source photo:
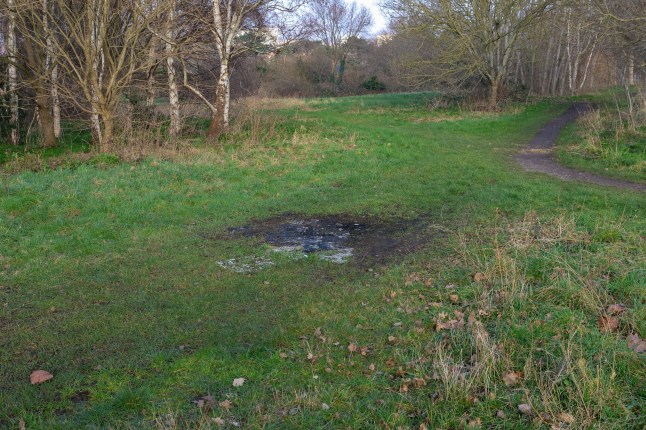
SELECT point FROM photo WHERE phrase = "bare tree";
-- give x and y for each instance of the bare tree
(626, 20)
(335, 23)
(470, 38)
(100, 46)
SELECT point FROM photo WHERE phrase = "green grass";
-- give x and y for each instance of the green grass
(605, 142)
(109, 279)
(74, 140)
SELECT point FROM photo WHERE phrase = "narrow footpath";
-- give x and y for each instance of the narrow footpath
(538, 156)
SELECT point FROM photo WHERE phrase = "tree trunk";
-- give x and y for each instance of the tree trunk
(339, 79)
(45, 117)
(12, 73)
(51, 66)
(173, 94)
(631, 70)
(107, 131)
(220, 120)
(493, 96)
(56, 103)
(150, 81)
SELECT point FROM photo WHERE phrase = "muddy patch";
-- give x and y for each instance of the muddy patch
(360, 241)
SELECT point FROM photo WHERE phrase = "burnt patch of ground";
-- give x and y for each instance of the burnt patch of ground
(358, 240)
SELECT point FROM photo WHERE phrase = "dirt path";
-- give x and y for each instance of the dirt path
(539, 156)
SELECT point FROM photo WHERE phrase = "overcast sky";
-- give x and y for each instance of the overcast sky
(377, 16)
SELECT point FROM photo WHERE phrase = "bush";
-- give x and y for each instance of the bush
(373, 84)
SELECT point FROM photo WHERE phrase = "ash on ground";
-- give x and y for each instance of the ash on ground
(338, 239)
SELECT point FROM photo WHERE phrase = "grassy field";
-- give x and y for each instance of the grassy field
(110, 280)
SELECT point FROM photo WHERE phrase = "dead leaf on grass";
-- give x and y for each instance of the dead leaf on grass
(219, 421)
(512, 378)
(239, 382)
(607, 324)
(565, 417)
(226, 405)
(475, 423)
(479, 277)
(454, 298)
(39, 376)
(616, 309)
(352, 347)
(525, 409)
(636, 343)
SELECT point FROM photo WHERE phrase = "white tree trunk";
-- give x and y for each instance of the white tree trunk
(631, 70)
(173, 93)
(12, 73)
(150, 90)
(96, 79)
(49, 63)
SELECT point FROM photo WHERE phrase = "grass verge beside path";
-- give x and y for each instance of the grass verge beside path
(110, 281)
(608, 141)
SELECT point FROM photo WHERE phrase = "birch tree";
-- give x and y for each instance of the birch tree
(235, 27)
(12, 71)
(173, 93)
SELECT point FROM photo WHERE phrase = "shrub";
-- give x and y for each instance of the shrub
(373, 84)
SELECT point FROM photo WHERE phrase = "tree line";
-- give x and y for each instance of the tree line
(115, 64)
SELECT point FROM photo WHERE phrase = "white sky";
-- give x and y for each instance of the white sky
(377, 16)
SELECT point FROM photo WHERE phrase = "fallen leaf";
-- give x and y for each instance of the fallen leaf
(512, 378)
(218, 421)
(319, 334)
(325, 406)
(371, 367)
(525, 409)
(472, 318)
(352, 347)
(423, 427)
(22, 425)
(501, 414)
(392, 339)
(239, 382)
(479, 277)
(565, 417)
(418, 382)
(454, 298)
(283, 355)
(205, 402)
(616, 309)
(475, 423)
(226, 405)
(39, 376)
(607, 324)
(636, 343)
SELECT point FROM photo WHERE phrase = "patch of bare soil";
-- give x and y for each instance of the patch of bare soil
(539, 154)
(361, 241)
